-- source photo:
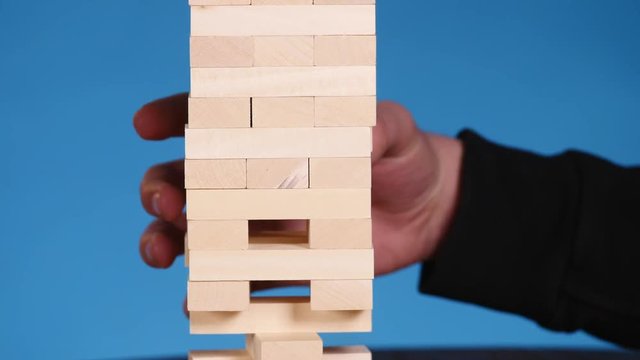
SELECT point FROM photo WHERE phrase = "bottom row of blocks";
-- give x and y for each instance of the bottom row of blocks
(326, 295)
(303, 346)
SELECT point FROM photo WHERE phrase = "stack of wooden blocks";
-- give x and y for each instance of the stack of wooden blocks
(283, 99)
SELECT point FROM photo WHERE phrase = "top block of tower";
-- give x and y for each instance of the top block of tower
(283, 20)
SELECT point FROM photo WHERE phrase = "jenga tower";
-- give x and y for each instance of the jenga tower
(283, 98)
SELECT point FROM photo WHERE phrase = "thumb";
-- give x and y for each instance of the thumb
(395, 133)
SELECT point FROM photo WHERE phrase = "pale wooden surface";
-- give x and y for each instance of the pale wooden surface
(285, 346)
(277, 315)
(283, 81)
(218, 296)
(278, 173)
(215, 174)
(284, 262)
(283, 20)
(340, 173)
(340, 234)
(279, 204)
(281, 143)
(341, 295)
(217, 235)
(331, 353)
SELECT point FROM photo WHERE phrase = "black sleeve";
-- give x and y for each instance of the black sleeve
(554, 239)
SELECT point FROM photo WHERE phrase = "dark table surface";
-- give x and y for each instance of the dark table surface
(488, 354)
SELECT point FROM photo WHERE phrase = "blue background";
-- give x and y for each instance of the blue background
(544, 75)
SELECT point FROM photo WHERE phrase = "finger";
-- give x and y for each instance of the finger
(162, 190)
(162, 119)
(395, 132)
(161, 243)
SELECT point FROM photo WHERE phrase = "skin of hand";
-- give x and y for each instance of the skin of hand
(415, 180)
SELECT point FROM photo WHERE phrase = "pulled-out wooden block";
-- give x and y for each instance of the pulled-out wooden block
(346, 111)
(277, 204)
(280, 262)
(211, 113)
(280, 315)
(295, 112)
(345, 50)
(281, 143)
(283, 51)
(340, 173)
(222, 51)
(333, 353)
(218, 235)
(340, 234)
(285, 346)
(218, 296)
(215, 174)
(278, 173)
(341, 295)
(284, 81)
(282, 20)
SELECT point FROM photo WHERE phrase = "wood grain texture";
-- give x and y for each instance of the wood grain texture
(222, 51)
(340, 234)
(218, 2)
(344, 2)
(212, 113)
(215, 174)
(280, 262)
(341, 295)
(280, 143)
(218, 235)
(345, 50)
(278, 173)
(340, 173)
(345, 111)
(285, 346)
(283, 81)
(281, 2)
(283, 112)
(218, 296)
(283, 51)
(282, 20)
(287, 204)
(268, 315)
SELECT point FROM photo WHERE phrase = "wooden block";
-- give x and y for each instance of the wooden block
(276, 262)
(219, 113)
(218, 296)
(215, 174)
(280, 143)
(283, 112)
(336, 353)
(283, 51)
(341, 295)
(186, 251)
(345, 50)
(285, 346)
(278, 173)
(345, 111)
(282, 2)
(344, 2)
(280, 315)
(340, 173)
(270, 204)
(222, 51)
(340, 234)
(284, 81)
(218, 235)
(218, 2)
(282, 20)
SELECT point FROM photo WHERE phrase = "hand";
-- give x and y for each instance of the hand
(415, 186)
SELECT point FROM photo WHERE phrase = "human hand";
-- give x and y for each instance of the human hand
(414, 193)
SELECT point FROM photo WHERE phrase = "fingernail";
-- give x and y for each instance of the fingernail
(148, 249)
(155, 203)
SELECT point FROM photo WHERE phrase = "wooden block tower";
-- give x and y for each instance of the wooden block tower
(283, 98)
